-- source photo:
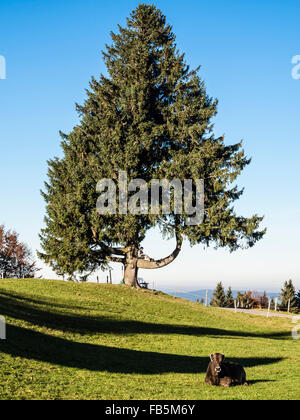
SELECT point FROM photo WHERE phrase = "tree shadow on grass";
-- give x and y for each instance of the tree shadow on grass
(259, 381)
(18, 308)
(21, 299)
(34, 345)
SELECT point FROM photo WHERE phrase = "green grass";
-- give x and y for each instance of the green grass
(88, 341)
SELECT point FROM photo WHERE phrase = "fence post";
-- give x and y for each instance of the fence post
(276, 303)
(289, 306)
(235, 306)
(206, 298)
(269, 307)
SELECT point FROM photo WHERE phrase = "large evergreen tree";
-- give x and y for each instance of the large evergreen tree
(150, 117)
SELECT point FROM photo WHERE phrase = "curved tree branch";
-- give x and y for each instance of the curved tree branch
(151, 265)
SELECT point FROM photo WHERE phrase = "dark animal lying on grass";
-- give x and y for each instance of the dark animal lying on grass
(225, 374)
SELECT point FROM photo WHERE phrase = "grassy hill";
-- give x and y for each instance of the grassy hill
(89, 341)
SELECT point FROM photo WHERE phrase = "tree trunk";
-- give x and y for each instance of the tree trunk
(131, 269)
(130, 275)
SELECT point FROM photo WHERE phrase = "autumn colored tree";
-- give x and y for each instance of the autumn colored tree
(261, 299)
(15, 257)
(247, 300)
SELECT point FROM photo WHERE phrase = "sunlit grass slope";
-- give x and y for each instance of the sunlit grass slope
(88, 341)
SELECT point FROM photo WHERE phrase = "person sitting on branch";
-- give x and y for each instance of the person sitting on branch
(142, 256)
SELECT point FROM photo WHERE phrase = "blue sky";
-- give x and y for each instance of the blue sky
(245, 49)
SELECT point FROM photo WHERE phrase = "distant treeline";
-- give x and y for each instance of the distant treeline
(288, 299)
